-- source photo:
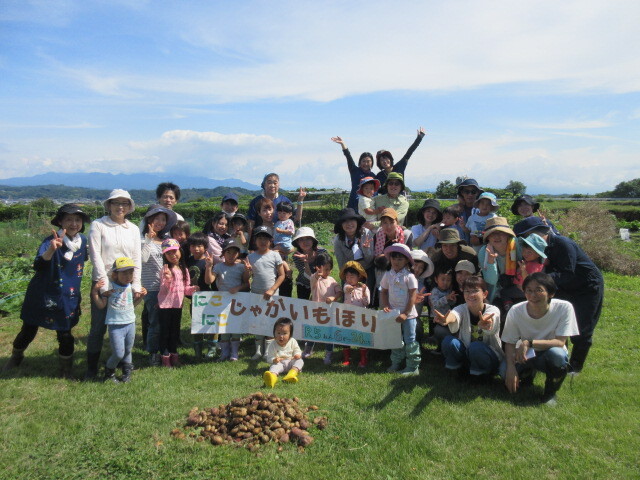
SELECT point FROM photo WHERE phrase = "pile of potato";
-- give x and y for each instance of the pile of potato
(251, 421)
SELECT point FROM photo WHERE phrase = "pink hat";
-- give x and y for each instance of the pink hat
(399, 248)
(170, 244)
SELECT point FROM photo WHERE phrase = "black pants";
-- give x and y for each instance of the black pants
(588, 306)
(303, 292)
(28, 333)
(286, 288)
(170, 319)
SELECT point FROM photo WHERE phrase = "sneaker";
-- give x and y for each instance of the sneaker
(308, 351)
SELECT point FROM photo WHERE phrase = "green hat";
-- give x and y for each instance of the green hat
(395, 176)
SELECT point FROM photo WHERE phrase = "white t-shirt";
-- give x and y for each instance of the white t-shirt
(398, 284)
(559, 321)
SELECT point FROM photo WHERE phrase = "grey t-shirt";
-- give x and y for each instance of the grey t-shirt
(228, 277)
(265, 270)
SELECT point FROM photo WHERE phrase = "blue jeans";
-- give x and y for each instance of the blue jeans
(409, 330)
(121, 338)
(478, 356)
(547, 361)
(153, 313)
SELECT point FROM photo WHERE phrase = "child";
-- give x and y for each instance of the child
(369, 186)
(239, 232)
(533, 257)
(174, 286)
(284, 229)
(452, 217)
(422, 269)
(398, 291)
(324, 289)
(155, 221)
(487, 206)
(356, 293)
(268, 274)
(121, 317)
(425, 234)
(52, 300)
(532, 251)
(181, 232)
(463, 270)
(442, 298)
(197, 265)
(284, 354)
(477, 349)
(231, 276)
(229, 204)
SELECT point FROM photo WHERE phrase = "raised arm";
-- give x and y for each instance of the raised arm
(402, 163)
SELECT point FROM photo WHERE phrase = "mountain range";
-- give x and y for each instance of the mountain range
(136, 181)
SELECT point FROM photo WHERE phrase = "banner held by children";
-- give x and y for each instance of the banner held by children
(222, 312)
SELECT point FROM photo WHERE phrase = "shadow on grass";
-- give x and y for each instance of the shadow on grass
(443, 384)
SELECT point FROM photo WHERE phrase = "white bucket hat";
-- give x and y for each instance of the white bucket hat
(304, 232)
(119, 193)
(420, 255)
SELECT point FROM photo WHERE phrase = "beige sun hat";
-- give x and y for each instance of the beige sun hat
(119, 193)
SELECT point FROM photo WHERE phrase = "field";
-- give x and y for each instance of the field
(381, 426)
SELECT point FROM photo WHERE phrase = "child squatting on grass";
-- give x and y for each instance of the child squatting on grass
(121, 316)
(52, 300)
(283, 354)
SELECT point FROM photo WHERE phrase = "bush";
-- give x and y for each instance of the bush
(595, 229)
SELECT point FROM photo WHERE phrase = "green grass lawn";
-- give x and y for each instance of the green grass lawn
(381, 426)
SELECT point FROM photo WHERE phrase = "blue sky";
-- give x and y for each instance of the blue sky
(543, 92)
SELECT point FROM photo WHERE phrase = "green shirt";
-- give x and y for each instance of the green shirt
(399, 204)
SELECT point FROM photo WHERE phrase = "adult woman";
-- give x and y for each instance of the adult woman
(354, 242)
(110, 237)
(578, 280)
(306, 245)
(270, 189)
(52, 300)
(384, 161)
(158, 221)
(217, 229)
(468, 193)
(498, 259)
(357, 173)
(393, 198)
(541, 326)
(451, 250)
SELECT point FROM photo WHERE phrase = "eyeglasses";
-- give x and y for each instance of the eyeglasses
(394, 183)
(120, 204)
(531, 291)
(469, 191)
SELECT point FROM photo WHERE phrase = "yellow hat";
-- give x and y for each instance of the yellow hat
(123, 263)
(356, 266)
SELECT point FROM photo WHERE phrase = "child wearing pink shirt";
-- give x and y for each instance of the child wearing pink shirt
(356, 293)
(175, 284)
(324, 289)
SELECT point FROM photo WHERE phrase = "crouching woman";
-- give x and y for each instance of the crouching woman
(535, 336)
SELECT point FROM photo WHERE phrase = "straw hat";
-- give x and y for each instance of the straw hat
(354, 265)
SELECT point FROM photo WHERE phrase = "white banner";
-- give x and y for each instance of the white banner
(339, 323)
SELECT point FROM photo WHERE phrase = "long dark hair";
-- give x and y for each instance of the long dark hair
(182, 264)
(208, 226)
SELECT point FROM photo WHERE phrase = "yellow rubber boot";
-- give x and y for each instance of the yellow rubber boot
(291, 376)
(270, 379)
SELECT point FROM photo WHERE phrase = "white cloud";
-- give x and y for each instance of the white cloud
(184, 137)
(326, 51)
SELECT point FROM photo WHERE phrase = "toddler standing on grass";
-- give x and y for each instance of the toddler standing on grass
(231, 276)
(324, 289)
(356, 293)
(121, 316)
(174, 286)
(283, 354)
(268, 274)
(398, 289)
